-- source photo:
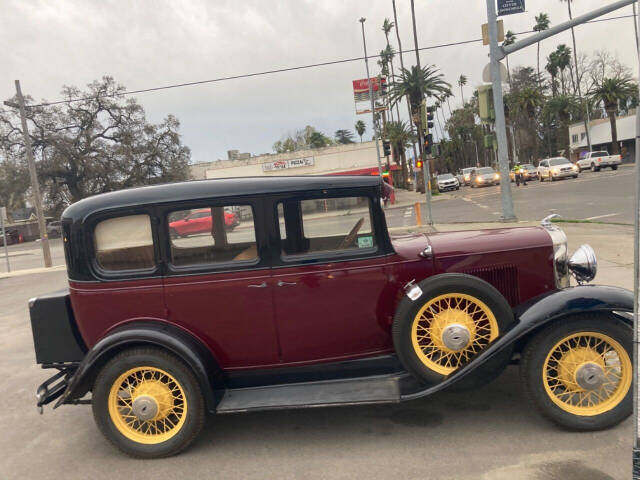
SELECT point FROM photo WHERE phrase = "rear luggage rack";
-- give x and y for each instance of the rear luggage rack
(54, 386)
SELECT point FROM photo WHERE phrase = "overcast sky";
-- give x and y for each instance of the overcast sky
(153, 43)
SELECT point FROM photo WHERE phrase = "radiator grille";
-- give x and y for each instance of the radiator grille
(503, 278)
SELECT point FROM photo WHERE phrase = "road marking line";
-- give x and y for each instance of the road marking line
(602, 216)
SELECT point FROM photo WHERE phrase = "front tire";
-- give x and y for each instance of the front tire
(577, 372)
(454, 318)
(148, 403)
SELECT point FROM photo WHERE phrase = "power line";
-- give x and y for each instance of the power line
(281, 70)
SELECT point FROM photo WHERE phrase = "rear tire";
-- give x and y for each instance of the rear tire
(614, 167)
(550, 371)
(426, 332)
(166, 391)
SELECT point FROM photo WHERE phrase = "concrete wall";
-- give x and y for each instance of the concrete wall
(336, 159)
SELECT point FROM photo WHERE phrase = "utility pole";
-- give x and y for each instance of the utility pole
(508, 214)
(35, 186)
(425, 161)
(587, 118)
(413, 143)
(636, 293)
(373, 107)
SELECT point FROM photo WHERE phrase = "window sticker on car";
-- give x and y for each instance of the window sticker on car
(365, 242)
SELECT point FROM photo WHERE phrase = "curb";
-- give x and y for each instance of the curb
(29, 271)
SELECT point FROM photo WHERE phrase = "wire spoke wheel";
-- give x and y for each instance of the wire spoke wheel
(587, 373)
(147, 405)
(450, 329)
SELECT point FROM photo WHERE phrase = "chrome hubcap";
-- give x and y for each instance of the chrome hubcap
(455, 337)
(145, 407)
(590, 376)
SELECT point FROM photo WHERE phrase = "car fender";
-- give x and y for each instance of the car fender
(532, 315)
(147, 333)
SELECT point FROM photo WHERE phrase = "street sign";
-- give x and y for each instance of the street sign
(485, 32)
(361, 94)
(509, 7)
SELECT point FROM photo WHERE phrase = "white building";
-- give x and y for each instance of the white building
(600, 133)
(349, 159)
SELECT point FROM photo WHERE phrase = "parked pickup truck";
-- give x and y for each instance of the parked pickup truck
(596, 160)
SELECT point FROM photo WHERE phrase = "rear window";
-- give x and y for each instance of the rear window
(599, 154)
(124, 243)
(558, 161)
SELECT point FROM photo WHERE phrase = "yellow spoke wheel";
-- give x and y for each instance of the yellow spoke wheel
(587, 373)
(147, 405)
(450, 329)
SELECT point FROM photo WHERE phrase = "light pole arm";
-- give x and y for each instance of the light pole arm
(533, 39)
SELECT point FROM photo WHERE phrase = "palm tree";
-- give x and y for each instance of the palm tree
(563, 107)
(462, 81)
(529, 100)
(416, 84)
(401, 137)
(552, 69)
(509, 39)
(395, 21)
(360, 129)
(542, 24)
(387, 26)
(611, 92)
(563, 60)
(344, 136)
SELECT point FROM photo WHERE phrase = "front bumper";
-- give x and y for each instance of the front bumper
(570, 173)
(444, 188)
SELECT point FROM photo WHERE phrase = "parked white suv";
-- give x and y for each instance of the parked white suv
(557, 167)
(596, 160)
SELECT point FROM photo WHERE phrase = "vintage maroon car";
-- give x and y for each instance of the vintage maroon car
(310, 302)
(199, 221)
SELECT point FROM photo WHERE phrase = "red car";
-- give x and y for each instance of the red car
(199, 221)
(312, 303)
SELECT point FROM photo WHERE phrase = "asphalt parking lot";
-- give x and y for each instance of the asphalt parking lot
(489, 433)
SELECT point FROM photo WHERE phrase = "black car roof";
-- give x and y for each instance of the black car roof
(214, 188)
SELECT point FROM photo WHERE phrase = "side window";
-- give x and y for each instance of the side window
(325, 225)
(212, 235)
(124, 243)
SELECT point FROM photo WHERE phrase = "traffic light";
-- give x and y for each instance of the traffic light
(386, 147)
(419, 164)
(430, 111)
(486, 111)
(428, 141)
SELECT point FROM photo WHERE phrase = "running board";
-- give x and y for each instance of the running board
(353, 391)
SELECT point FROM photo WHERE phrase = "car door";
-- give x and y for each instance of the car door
(543, 168)
(328, 278)
(217, 286)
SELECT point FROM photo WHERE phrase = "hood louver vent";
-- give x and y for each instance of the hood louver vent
(504, 278)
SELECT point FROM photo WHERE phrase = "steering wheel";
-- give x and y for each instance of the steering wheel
(351, 237)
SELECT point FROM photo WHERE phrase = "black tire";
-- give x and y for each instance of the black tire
(575, 176)
(160, 359)
(533, 361)
(614, 167)
(432, 288)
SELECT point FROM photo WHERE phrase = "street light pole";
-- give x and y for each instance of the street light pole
(425, 161)
(373, 108)
(35, 186)
(508, 214)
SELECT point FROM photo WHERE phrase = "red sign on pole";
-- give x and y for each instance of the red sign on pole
(361, 94)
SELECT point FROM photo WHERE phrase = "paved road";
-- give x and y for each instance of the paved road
(605, 196)
(489, 433)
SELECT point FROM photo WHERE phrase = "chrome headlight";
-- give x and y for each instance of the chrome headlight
(583, 264)
(560, 251)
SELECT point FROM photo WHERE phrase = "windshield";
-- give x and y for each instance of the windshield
(484, 171)
(467, 170)
(599, 154)
(528, 166)
(445, 176)
(558, 161)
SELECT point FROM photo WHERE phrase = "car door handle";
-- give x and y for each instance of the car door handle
(260, 285)
(285, 284)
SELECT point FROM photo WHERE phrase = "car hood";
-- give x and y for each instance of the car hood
(471, 243)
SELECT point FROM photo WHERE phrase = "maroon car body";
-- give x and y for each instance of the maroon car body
(296, 307)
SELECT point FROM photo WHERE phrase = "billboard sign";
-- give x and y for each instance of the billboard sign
(285, 164)
(361, 94)
(509, 7)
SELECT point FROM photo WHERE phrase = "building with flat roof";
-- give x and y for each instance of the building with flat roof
(600, 132)
(348, 159)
